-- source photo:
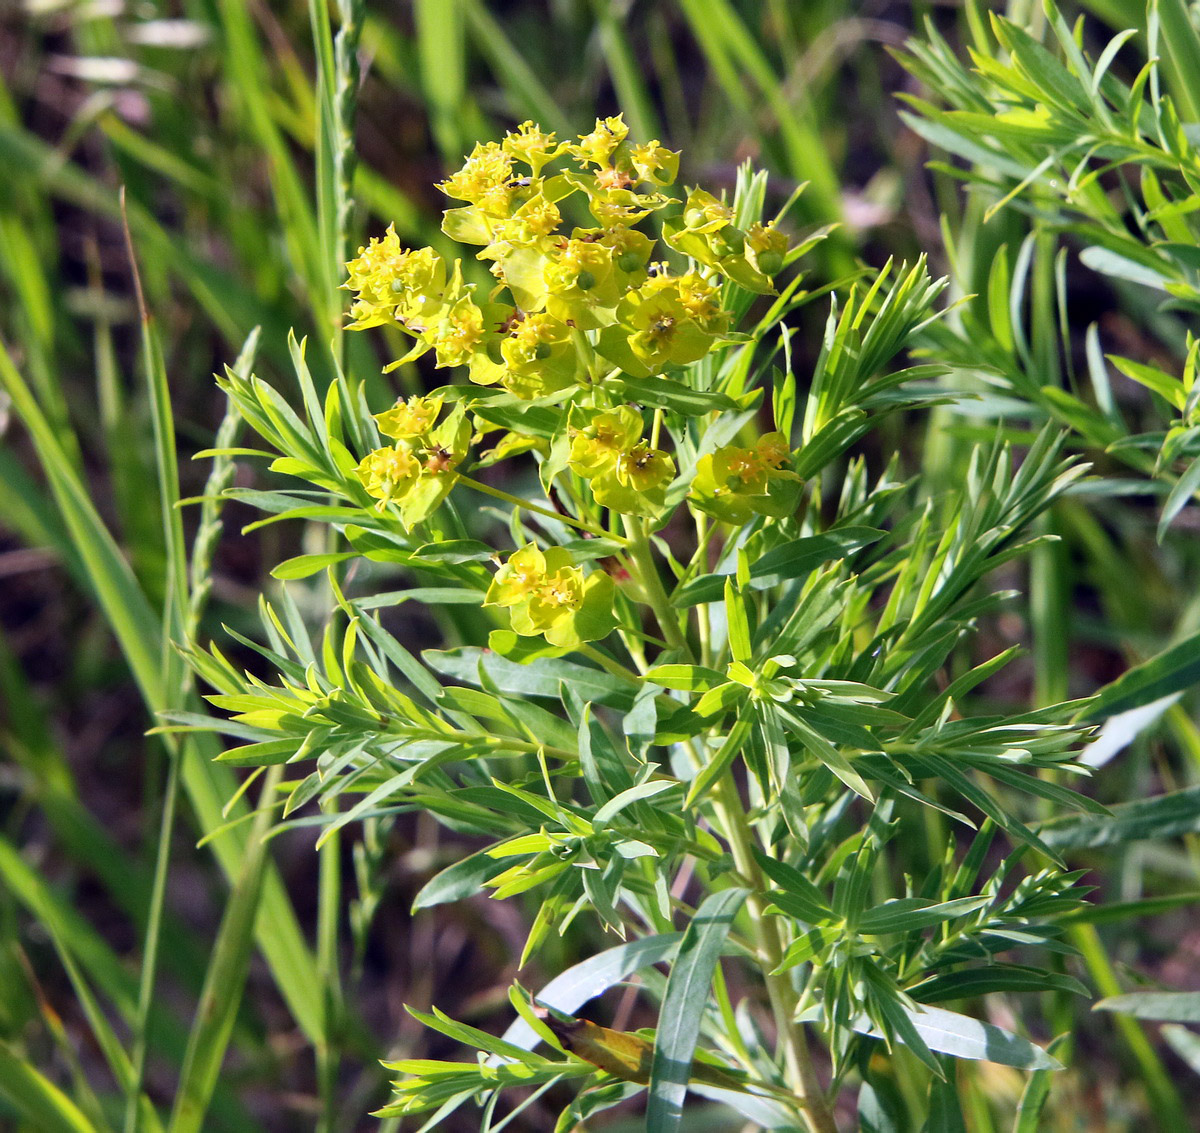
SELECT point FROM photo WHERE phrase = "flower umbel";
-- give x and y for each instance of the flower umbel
(417, 472)
(547, 594)
(735, 484)
(626, 474)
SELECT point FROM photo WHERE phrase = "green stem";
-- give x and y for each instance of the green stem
(508, 743)
(516, 501)
(703, 532)
(150, 951)
(801, 1075)
(731, 816)
(585, 355)
(328, 965)
(609, 665)
(646, 570)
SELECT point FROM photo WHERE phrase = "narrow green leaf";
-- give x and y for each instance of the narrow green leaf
(1174, 670)
(829, 755)
(683, 1007)
(737, 617)
(1113, 264)
(1164, 1006)
(601, 764)
(628, 797)
(1168, 387)
(720, 762)
(459, 881)
(38, 1100)
(303, 566)
(904, 914)
(794, 882)
(1114, 911)
(996, 977)
(793, 559)
(427, 595)
(1181, 495)
(686, 678)
(947, 1032)
(540, 677)
(717, 701)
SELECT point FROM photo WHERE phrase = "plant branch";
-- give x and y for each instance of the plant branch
(527, 505)
(801, 1075)
(646, 571)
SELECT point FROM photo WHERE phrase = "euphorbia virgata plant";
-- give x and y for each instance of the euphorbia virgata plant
(719, 662)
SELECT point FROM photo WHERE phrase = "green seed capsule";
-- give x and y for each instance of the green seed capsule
(585, 281)
(542, 351)
(693, 218)
(629, 261)
(770, 263)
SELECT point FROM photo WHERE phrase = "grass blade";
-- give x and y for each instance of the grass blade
(525, 90)
(627, 76)
(733, 51)
(225, 981)
(138, 631)
(38, 1099)
(246, 67)
(441, 50)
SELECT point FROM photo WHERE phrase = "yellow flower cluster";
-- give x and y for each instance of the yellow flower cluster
(417, 472)
(555, 284)
(626, 474)
(735, 484)
(583, 317)
(547, 594)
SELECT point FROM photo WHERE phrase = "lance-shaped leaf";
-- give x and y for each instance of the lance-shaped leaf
(947, 1032)
(1174, 670)
(1165, 1006)
(683, 1007)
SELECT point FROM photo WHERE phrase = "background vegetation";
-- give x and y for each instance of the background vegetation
(251, 161)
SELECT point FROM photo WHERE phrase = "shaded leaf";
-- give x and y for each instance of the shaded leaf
(1165, 816)
(963, 1037)
(683, 1007)
(574, 987)
(1165, 1006)
(1175, 670)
